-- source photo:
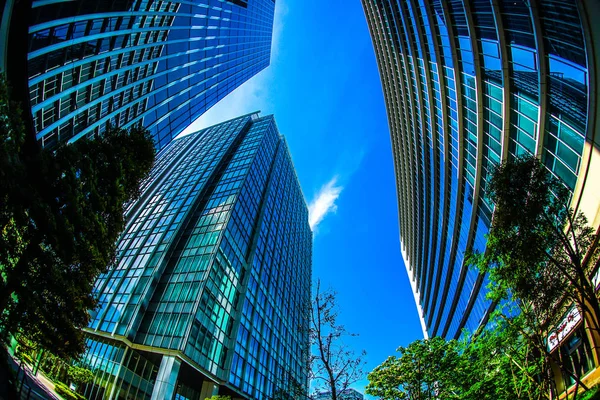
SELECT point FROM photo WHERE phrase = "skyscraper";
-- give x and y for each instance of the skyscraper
(467, 85)
(213, 274)
(163, 63)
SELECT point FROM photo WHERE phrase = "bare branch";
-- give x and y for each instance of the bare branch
(334, 363)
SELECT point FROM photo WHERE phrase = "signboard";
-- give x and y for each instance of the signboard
(564, 328)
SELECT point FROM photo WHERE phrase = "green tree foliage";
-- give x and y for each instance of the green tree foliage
(540, 257)
(60, 216)
(592, 394)
(334, 365)
(538, 250)
(219, 397)
(425, 370)
(501, 363)
(79, 375)
(66, 393)
(12, 176)
(540, 254)
(494, 364)
(54, 367)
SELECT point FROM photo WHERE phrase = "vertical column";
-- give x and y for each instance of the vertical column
(164, 388)
(208, 390)
(4, 29)
(114, 389)
(586, 197)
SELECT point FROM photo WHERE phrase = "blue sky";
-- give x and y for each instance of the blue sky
(323, 88)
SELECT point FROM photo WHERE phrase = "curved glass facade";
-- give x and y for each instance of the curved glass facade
(214, 270)
(122, 62)
(468, 84)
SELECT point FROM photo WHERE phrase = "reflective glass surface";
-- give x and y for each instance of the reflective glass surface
(468, 84)
(122, 62)
(215, 262)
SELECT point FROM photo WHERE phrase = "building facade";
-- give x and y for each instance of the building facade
(213, 273)
(347, 394)
(123, 62)
(467, 85)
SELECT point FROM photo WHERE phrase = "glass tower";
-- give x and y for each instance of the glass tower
(468, 84)
(213, 273)
(157, 62)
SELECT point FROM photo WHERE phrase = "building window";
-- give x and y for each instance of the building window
(576, 355)
(241, 3)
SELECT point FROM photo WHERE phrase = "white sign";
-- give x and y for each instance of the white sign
(566, 326)
(596, 279)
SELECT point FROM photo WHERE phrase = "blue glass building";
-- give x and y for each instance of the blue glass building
(212, 277)
(467, 85)
(161, 63)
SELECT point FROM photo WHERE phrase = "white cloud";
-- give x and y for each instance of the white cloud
(254, 94)
(324, 202)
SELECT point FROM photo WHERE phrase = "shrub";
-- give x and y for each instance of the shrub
(67, 393)
(592, 394)
(80, 375)
(26, 357)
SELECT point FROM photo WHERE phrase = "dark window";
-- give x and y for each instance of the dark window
(241, 3)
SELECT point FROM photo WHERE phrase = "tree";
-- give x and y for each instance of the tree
(500, 362)
(61, 214)
(333, 364)
(79, 375)
(540, 253)
(540, 256)
(219, 397)
(538, 249)
(496, 363)
(425, 370)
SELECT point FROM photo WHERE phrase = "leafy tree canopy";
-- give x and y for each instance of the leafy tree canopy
(60, 215)
(495, 364)
(540, 256)
(80, 375)
(501, 363)
(424, 370)
(538, 250)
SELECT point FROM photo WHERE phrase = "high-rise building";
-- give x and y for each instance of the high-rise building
(91, 63)
(212, 276)
(467, 85)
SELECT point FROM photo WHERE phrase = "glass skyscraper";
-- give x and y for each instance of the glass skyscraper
(467, 85)
(213, 274)
(123, 62)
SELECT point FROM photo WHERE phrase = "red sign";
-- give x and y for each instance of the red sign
(566, 326)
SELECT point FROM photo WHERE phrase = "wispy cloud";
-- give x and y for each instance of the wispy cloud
(254, 94)
(324, 202)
